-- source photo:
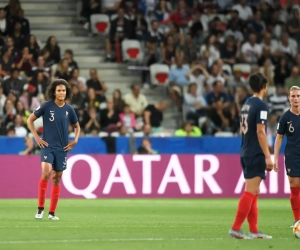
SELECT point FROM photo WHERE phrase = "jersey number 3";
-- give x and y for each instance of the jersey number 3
(244, 126)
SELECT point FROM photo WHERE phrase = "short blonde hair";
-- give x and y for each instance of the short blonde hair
(294, 88)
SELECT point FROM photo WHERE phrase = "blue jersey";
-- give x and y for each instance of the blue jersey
(289, 125)
(254, 111)
(56, 121)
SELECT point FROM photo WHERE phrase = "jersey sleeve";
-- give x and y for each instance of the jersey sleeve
(73, 116)
(40, 110)
(281, 126)
(262, 114)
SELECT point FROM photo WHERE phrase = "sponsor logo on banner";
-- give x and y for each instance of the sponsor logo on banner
(138, 176)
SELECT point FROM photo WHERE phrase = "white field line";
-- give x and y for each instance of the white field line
(111, 240)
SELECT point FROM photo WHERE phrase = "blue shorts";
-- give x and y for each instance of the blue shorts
(58, 159)
(254, 166)
(292, 167)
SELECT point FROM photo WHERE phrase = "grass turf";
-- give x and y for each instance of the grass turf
(140, 225)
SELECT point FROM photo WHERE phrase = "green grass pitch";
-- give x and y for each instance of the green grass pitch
(141, 224)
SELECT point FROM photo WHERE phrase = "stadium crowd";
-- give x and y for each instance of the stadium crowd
(202, 41)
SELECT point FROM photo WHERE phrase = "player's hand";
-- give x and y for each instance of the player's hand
(70, 145)
(41, 142)
(269, 164)
(276, 168)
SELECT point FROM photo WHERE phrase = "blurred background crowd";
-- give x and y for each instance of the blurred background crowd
(209, 46)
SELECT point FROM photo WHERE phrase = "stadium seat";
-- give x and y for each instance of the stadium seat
(100, 24)
(132, 51)
(159, 74)
(245, 68)
(224, 134)
(38, 123)
(227, 67)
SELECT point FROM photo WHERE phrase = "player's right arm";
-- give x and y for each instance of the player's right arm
(261, 121)
(278, 141)
(30, 122)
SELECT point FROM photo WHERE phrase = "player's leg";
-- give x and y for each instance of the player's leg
(295, 196)
(60, 162)
(55, 192)
(46, 165)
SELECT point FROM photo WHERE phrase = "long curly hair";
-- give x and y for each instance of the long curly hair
(50, 92)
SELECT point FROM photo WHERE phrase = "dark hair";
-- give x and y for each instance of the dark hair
(257, 82)
(68, 51)
(142, 150)
(50, 92)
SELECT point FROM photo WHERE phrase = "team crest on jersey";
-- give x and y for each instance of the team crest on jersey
(291, 128)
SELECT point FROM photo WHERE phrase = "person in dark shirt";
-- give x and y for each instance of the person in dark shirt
(153, 114)
(69, 57)
(288, 126)
(53, 49)
(255, 157)
(97, 84)
(57, 116)
(25, 26)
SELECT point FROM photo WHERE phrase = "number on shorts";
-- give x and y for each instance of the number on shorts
(244, 127)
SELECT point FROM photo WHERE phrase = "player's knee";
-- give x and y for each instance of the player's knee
(55, 180)
(46, 175)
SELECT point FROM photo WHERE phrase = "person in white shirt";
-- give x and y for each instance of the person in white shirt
(136, 101)
(20, 130)
(2, 102)
(251, 51)
(198, 74)
(3, 23)
(110, 6)
(245, 12)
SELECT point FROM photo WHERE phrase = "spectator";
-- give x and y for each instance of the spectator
(10, 131)
(245, 12)
(12, 9)
(282, 72)
(24, 62)
(25, 26)
(62, 71)
(188, 130)
(13, 84)
(285, 47)
(110, 7)
(154, 36)
(146, 144)
(210, 50)
(91, 99)
(251, 50)
(153, 116)
(266, 55)
(257, 25)
(182, 16)
(196, 104)
(140, 27)
(241, 96)
(236, 80)
(177, 80)
(118, 101)
(2, 103)
(78, 80)
(294, 25)
(10, 43)
(110, 121)
(97, 84)
(162, 14)
(151, 56)
(293, 80)
(119, 30)
(30, 103)
(6, 62)
(9, 112)
(197, 29)
(39, 84)
(54, 49)
(4, 24)
(198, 75)
(40, 68)
(31, 147)
(34, 48)
(127, 119)
(130, 7)
(215, 75)
(230, 51)
(208, 6)
(18, 37)
(268, 41)
(170, 52)
(267, 71)
(93, 121)
(24, 113)
(190, 51)
(278, 102)
(69, 57)
(20, 130)
(136, 101)
(77, 99)
(230, 118)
